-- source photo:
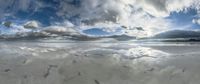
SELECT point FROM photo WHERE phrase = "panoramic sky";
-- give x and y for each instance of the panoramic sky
(139, 18)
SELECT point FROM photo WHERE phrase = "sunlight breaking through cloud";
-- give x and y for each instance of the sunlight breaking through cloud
(151, 15)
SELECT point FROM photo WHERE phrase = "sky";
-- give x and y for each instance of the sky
(103, 17)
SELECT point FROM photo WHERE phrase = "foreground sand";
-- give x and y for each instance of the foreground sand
(99, 63)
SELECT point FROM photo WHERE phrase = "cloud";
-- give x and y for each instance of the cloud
(10, 6)
(148, 14)
(197, 18)
(196, 21)
(60, 30)
(163, 8)
(156, 8)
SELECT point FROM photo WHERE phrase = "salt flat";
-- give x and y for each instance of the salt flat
(99, 63)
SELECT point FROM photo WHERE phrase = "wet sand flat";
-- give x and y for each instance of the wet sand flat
(99, 63)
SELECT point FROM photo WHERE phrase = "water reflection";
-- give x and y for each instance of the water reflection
(96, 63)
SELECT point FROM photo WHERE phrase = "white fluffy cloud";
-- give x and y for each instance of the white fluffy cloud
(148, 14)
(196, 21)
(163, 8)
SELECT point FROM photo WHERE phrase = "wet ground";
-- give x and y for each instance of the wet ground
(99, 63)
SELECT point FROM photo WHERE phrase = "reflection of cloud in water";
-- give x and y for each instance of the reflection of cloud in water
(144, 52)
(51, 50)
(86, 63)
(134, 53)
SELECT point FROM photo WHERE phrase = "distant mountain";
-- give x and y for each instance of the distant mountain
(178, 34)
(122, 37)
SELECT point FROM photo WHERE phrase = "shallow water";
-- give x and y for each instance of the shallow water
(99, 63)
